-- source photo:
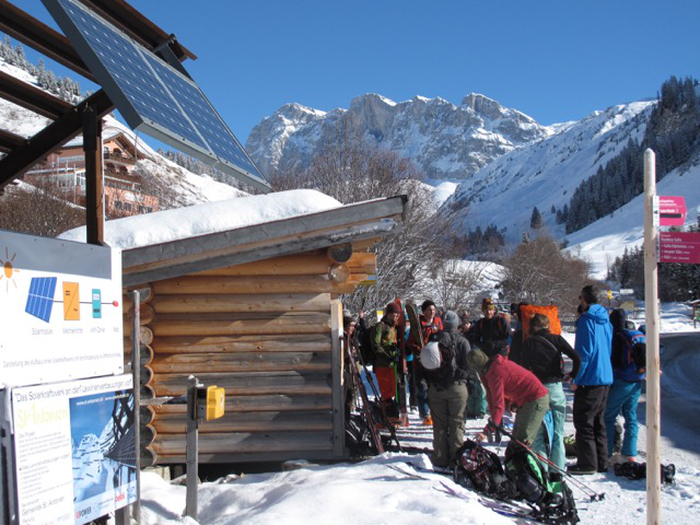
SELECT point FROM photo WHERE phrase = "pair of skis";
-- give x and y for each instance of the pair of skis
(366, 407)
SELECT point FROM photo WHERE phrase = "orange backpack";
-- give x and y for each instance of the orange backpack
(529, 310)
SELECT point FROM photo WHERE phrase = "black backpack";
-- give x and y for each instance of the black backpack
(445, 373)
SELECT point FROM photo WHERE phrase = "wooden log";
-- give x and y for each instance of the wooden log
(250, 422)
(216, 324)
(229, 303)
(146, 375)
(146, 315)
(247, 383)
(257, 457)
(340, 253)
(262, 403)
(338, 273)
(145, 334)
(146, 353)
(242, 343)
(247, 285)
(302, 264)
(241, 362)
(148, 414)
(213, 443)
(149, 457)
(362, 259)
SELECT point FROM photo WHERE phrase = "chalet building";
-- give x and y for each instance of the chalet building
(65, 169)
(256, 310)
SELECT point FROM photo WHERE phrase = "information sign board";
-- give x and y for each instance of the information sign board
(671, 211)
(679, 247)
(75, 450)
(60, 305)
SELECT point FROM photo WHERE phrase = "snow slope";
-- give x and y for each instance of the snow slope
(545, 173)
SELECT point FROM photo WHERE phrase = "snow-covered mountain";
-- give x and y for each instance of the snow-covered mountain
(544, 174)
(446, 141)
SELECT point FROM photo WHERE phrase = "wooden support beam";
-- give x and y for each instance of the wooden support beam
(32, 98)
(9, 141)
(37, 35)
(51, 138)
(94, 177)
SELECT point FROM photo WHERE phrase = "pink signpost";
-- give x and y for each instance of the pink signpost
(671, 211)
(679, 247)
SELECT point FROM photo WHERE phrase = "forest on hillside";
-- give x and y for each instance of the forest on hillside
(673, 132)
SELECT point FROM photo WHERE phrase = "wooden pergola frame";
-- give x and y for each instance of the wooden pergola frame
(69, 120)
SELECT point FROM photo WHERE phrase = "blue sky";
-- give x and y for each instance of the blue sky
(555, 60)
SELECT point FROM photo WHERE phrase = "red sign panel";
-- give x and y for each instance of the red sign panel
(679, 247)
(671, 211)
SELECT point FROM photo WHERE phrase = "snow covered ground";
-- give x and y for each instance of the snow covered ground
(373, 492)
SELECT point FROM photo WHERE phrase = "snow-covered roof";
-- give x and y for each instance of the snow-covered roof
(211, 217)
(182, 241)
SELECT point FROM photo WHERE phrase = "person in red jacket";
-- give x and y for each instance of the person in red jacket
(509, 384)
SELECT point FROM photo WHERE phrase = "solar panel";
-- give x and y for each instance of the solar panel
(152, 95)
(40, 298)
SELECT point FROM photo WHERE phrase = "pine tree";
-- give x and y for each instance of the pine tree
(536, 219)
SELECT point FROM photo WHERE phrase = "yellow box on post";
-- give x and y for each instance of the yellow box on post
(216, 402)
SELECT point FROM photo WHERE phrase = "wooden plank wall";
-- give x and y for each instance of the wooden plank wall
(263, 332)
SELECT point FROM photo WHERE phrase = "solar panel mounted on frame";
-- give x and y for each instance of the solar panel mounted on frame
(152, 95)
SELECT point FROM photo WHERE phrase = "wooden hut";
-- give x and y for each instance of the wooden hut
(254, 310)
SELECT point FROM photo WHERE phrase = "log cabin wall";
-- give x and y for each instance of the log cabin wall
(263, 331)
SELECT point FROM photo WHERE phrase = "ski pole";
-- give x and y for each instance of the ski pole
(592, 494)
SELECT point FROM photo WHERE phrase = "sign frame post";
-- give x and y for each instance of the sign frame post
(651, 282)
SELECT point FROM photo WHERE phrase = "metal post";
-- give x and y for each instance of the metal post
(652, 338)
(192, 448)
(136, 370)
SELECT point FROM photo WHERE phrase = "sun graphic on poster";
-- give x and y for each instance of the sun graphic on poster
(8, 271)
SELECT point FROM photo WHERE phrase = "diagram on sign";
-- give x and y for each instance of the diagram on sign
(8, 270)
(42, 291)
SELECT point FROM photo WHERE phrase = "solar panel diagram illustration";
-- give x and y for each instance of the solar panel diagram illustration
(42, 291)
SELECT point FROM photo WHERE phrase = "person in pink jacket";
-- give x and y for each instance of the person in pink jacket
(510, 385)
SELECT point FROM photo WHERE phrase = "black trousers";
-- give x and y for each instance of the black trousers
(589, 420)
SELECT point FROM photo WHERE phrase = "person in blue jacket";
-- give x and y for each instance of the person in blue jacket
(591, 385)
(629, 375)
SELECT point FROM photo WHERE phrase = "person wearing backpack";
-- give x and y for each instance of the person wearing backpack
(542, 355)
(444, 364)
(629, 372)
(509, 384)
(430, 324)
(384, 348)
(491, 327)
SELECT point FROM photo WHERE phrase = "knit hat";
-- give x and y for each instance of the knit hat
(450, 321)
(476, 359)
(487, 304)
(393, 308)
(348, 318)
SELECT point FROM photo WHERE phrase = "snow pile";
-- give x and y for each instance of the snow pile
(213, 217)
